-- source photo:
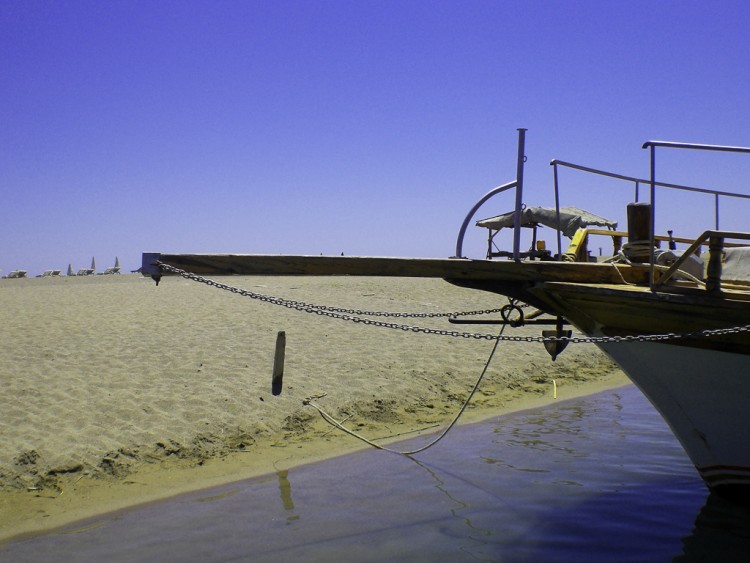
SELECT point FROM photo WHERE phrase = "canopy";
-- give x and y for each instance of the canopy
(571, 219)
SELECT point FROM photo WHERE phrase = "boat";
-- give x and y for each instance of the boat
(677, 322)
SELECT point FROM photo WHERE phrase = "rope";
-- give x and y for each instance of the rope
(620, 274)
(328, 418)
(637, 248)
(620, 257)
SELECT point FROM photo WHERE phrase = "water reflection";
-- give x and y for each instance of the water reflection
(554, 430)
(458, 509)
(285, 490)
(721, 533)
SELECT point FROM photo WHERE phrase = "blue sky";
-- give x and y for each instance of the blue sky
(364, 127)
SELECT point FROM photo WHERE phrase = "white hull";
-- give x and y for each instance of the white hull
(704, 395)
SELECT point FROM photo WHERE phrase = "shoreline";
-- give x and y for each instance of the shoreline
(120, 393)
(93, 499)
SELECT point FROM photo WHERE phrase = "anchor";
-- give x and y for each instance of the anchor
(555, 347)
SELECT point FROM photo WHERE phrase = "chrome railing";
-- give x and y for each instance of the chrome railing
(637, 183)
(651, 145)
(518, 184)
(652, 182)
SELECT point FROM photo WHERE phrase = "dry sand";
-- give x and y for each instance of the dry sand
(117, 392)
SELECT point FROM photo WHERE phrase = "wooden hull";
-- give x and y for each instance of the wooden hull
(622, 310)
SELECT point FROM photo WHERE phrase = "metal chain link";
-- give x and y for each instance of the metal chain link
(348, 315)
(295, 304)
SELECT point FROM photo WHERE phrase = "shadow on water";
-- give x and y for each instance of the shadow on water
(637, 522)
(594, 479)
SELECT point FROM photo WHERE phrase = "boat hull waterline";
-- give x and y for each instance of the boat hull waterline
(702, 394)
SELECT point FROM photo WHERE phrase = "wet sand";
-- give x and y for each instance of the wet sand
(117, 392)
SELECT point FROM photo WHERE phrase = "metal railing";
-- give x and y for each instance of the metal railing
(652, 182)
(638, 181)
(651, 145)
(518, 185)
(472, 212)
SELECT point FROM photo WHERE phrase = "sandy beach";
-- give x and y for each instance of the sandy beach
(117, 392)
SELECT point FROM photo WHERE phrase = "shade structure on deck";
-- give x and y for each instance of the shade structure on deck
(571, 219)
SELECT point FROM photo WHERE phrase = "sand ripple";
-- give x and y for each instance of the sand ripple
(102, 374)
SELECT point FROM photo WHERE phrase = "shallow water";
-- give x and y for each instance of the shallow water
(594, 479)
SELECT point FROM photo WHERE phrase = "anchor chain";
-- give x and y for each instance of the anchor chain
(357, 316)
(297, 304)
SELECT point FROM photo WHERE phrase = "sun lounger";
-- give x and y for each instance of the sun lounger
(114, 269)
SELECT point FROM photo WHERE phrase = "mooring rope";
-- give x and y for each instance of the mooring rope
(309, 401)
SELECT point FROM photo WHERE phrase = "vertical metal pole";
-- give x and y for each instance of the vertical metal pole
(637, 185)
(716, 210)
(653, 214)
(557, 212)
(519, 194)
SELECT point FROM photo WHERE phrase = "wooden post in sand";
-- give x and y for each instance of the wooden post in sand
(278, 363)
